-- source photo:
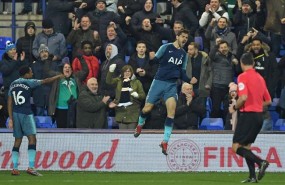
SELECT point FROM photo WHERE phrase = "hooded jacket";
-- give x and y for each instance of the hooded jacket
(270, 72)
(26, 43)
(106, 89)
(138, 17)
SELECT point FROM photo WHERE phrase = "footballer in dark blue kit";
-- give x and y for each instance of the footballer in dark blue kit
(21, 118)
(172, 63)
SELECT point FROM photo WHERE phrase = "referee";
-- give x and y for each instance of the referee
(253, 96)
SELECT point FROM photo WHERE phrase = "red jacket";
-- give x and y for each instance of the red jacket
(92, 63)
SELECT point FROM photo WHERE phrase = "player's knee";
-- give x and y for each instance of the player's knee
(147, 109)
(17, 142)
(32, 140)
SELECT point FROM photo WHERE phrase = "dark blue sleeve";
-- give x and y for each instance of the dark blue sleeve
(184, 77)
(161, 51)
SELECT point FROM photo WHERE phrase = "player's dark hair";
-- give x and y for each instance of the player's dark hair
(24, 70)
(247, 59)
(183, 31)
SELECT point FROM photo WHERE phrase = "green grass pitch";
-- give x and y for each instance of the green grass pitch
(119, 178)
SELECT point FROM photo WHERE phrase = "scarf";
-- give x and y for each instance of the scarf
(221, 31)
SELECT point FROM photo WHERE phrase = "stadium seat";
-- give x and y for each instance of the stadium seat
(3, 41)
(199, 40)
(282, 50)
(127, 58)
(41, 122)
(212, 124)
(1, 79)
(44, 122)
(274, 104)
(279, 125)
(6, 123)
(274, 116)
(2, 51)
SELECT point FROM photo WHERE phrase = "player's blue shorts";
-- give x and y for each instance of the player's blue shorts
(161, 89)
(24, 125)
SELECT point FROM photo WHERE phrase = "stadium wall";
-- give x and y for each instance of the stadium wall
(109, 150)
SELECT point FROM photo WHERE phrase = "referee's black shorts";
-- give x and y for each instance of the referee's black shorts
(248, 126)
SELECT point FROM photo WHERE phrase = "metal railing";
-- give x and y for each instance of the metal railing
(14, 25)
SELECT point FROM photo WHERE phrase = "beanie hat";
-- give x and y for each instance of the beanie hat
(43, 47)
(47, 23)
(103, 1)
(30, 24)
(9, 45)
(232, 87)
(246, 2)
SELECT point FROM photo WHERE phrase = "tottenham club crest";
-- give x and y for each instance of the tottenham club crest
(183, 155)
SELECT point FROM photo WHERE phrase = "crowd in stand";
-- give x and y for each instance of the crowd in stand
(128, 33)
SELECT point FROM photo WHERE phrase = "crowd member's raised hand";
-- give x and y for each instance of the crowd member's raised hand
(283, 20)
(207, 8)
(113, 24)
(128, 20)
(112, 67)
(193, 80)
(251, 34)
(258, 5)
(239, 2)
(151, 55)
(71, 16)
(22, 56)
(76, 24)
(218, 40)
(121, 9)
(213, 22)
(83, 5)
(235, 61)
(140, 72)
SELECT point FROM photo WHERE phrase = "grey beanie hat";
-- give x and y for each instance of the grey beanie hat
(43, 47)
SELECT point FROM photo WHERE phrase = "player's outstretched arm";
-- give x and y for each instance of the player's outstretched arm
(51, 79)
